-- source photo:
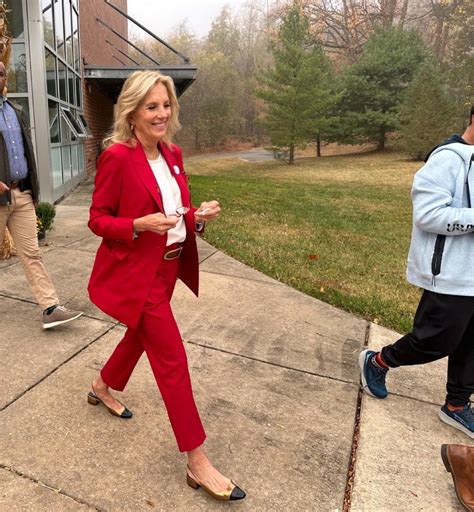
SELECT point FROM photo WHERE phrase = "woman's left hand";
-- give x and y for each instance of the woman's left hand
(209, 210)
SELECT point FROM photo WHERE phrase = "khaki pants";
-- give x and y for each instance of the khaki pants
(20, 217)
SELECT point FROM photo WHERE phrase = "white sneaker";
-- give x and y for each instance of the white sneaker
(59, 315)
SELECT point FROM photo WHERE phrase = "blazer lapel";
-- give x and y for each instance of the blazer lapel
(176, 172)
(146, 174)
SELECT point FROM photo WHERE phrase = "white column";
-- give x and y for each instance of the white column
(39, 100)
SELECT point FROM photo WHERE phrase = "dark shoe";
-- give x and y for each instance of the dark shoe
(459, 461)
(463, 420)
(372, 376)
(58, 316)
(232, 493)
(93, 399)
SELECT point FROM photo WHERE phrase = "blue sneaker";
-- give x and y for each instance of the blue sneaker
(371, 376)
(463, 420)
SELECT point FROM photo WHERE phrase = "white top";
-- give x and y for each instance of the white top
(171, 196)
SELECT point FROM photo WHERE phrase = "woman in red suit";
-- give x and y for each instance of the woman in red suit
(141, 207)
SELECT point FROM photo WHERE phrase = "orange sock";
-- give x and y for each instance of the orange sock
(455, 407)
(380, 361)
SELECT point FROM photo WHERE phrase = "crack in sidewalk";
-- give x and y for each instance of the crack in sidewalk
(346, 506)
(56, 490)
(56, 368)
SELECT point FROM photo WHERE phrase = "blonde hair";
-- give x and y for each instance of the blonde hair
(134, 92)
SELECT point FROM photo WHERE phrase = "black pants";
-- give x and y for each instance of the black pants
(443, 326)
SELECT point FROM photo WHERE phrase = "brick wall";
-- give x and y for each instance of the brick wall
(99, 113)
(93, 35)
(98, 108)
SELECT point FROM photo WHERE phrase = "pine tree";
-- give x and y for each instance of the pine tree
(372, 89)
(295, 90)
(427, 113)
(461, 61)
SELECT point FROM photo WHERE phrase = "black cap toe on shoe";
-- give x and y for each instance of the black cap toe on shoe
(126, 414)
(237, 494)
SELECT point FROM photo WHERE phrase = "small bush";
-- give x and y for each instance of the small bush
(45, 213)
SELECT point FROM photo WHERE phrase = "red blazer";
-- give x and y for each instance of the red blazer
(124, 269)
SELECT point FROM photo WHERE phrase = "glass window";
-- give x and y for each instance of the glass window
(74, 163)
(80, 157)
(57, 168)
(23, 102)
(71, 81)
(17, 78)
(75, 40)
(65, 128)
(51, 81)
(59, 26)
(85, 127)
(62, 75)
(15, 18)
(48, 27)
(54, 134)
(74, 125)
(66, 154)
(78, 92)
(68, 33)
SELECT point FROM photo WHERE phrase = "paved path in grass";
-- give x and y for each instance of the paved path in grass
(275, 378)
(248, 155)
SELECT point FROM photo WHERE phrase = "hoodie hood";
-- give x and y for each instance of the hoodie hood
(463, 149)
(450, 140)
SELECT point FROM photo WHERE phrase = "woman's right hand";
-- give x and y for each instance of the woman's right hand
(3, 187)
(155, 222)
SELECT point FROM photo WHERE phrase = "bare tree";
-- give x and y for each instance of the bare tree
(343, 26)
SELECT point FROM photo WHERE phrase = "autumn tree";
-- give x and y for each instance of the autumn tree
(343, 28)
(220, 105)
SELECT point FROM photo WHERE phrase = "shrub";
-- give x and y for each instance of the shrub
(45, 213)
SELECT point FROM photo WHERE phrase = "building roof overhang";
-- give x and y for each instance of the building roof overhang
(109, 79)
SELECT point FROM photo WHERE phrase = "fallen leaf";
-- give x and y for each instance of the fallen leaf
(313, 257)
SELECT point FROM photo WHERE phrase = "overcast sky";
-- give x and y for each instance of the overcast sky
(161, 17)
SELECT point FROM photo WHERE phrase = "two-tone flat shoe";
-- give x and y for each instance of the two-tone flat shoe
(93, 399)
(232, 493)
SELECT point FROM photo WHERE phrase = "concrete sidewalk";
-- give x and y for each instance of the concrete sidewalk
(275, 377)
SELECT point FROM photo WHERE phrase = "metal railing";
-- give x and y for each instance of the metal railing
(185, 59)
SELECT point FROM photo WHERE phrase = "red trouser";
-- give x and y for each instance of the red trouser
(157, 334)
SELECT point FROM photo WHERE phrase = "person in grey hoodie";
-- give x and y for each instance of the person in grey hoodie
(440, 261)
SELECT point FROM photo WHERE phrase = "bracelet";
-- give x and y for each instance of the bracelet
(199, 226)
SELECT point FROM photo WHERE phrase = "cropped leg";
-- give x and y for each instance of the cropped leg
(439, 326)
(22, 225)
(460, 384)
(157, 333)
(165, 350)
(120, 365)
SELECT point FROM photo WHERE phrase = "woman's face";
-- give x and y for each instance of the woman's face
(152, 116)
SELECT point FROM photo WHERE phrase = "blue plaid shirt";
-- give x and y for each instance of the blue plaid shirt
(11, 131)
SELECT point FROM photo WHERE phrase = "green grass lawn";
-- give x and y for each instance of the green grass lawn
(337, 228)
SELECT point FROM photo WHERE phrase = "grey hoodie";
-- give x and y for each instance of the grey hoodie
(441, 256)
